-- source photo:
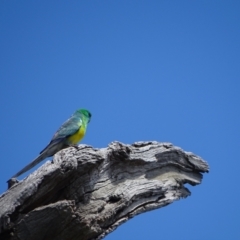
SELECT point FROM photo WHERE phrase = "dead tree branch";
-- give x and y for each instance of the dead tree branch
(86, 193)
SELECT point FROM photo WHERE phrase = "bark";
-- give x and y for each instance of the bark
(86, 193)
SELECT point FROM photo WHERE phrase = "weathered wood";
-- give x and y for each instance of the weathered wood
(86, 193)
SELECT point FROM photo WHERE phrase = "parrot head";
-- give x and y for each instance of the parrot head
(85, 113)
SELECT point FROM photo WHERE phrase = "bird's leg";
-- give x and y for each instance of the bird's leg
(74, 145)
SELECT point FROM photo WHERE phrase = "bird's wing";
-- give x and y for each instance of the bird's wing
(68, 128)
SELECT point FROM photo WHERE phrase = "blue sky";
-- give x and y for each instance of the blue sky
(147, 70)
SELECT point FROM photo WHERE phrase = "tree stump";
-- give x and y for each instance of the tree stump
(86, 193)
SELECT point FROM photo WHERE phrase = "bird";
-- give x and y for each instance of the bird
(69, 134)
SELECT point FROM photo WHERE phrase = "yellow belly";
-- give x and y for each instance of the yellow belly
(76, 137)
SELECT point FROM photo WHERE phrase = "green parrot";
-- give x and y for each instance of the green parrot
(69, 134)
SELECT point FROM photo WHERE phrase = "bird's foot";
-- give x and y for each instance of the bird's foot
(74, 145)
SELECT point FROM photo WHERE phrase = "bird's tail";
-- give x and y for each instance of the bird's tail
(32, 164)
(52, 148)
